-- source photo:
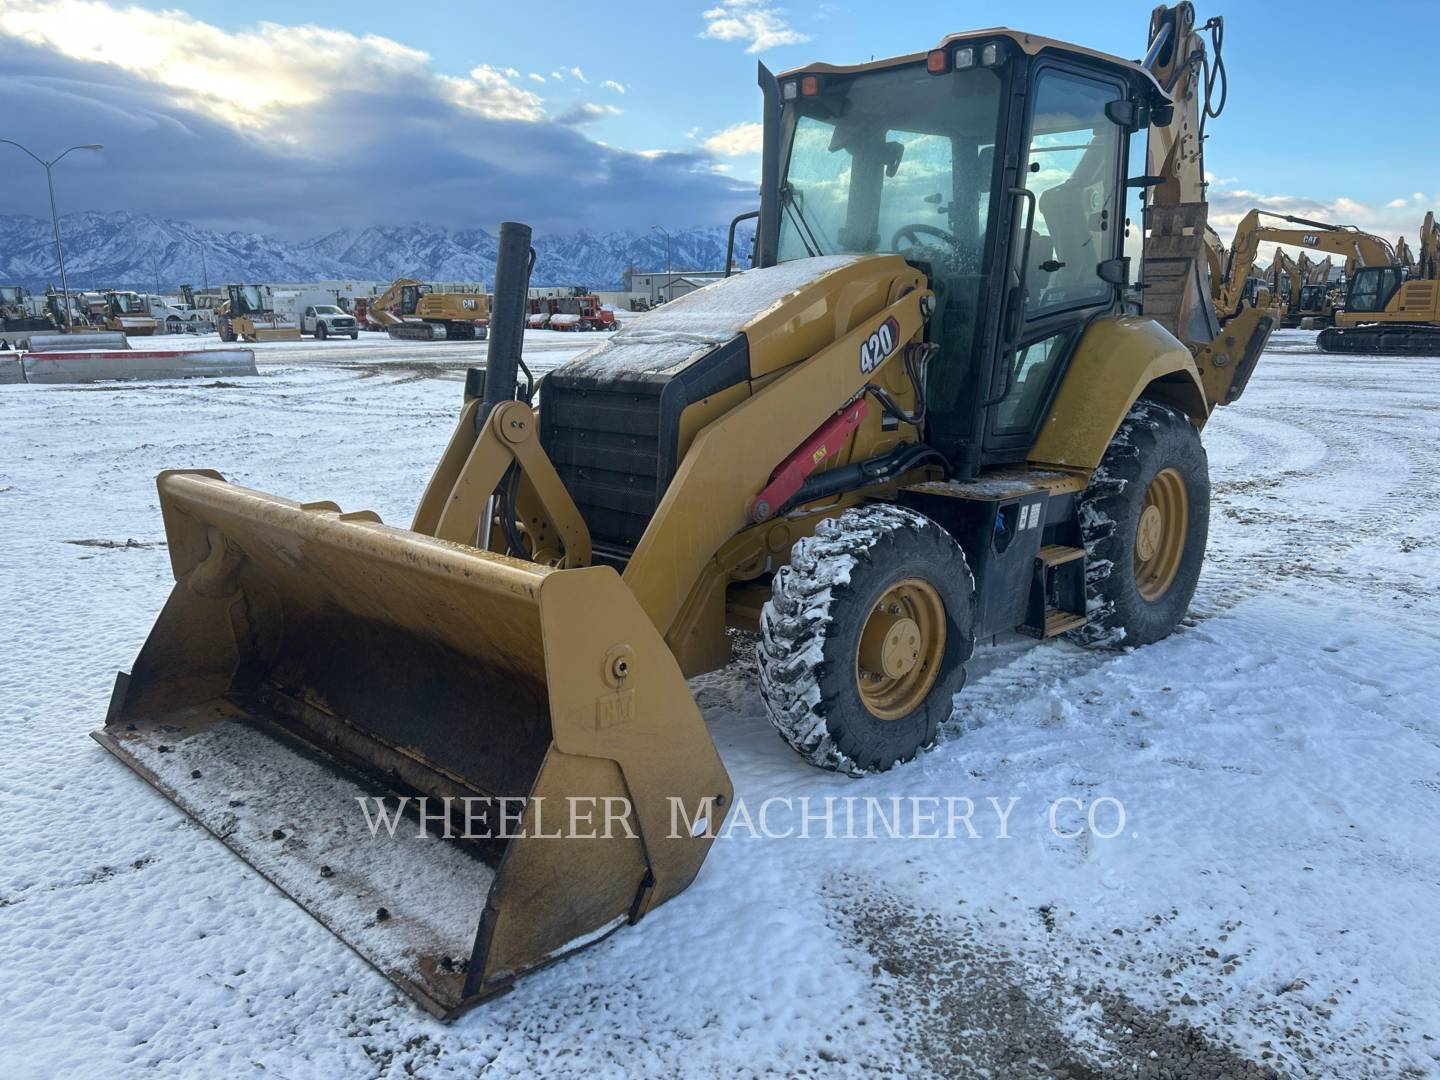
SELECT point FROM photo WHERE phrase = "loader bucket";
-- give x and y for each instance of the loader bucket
(307, 660)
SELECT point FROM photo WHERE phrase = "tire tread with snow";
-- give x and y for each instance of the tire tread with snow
(810, 630)
(1153, 437)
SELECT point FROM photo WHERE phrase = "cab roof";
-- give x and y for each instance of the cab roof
(1031, 44)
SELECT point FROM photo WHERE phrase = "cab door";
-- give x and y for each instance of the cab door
(1070, 223)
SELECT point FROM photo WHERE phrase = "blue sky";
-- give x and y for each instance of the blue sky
(638, 106)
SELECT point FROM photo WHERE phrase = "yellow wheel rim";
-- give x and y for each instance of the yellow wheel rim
(901, 646)
(1160, 534)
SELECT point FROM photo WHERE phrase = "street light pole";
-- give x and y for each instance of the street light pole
(54, 215)
(669, 273)
(204, 265)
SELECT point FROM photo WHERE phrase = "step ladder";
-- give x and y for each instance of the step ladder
(1057, 592)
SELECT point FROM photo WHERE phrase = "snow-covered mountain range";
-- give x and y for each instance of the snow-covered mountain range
(121, 249)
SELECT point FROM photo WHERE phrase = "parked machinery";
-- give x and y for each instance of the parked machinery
(415, 311)
(248, 314)
(1357, 248)
(128, 312)
(923, 419)
(577, 309)
(16, 315)
(1392, 309)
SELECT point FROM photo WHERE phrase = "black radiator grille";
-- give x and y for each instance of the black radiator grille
(614, 439)
(605, 443)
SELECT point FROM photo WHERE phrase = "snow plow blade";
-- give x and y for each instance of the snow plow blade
(308, 661)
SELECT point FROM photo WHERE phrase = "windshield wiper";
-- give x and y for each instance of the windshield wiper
(797, 218)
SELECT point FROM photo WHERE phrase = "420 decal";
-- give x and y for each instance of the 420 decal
(879, 345)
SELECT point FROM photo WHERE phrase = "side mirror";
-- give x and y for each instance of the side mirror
(1115, 271)
(1130, 115)
(730, 243)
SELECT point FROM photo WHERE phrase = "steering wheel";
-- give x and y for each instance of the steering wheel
(914, 232)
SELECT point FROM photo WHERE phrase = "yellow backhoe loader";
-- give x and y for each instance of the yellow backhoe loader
(924, 418)
(248, 314)
(412, 310)
(1392, 310)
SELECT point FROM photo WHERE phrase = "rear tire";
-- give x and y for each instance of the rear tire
(1144, 520)
(879, 587)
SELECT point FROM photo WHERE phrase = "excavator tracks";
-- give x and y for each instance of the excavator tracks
(1399, 339)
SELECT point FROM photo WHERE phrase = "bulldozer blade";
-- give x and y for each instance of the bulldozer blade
(312, 668)
(276, 333)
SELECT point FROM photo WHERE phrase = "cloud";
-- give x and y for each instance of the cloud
(535, 77)
(611, 84)
(737, 139)
(760, 24)
(586, 112)
(251, 77)
(414, 148)
(579, 74)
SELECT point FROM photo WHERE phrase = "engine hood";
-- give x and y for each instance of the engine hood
(676, 334)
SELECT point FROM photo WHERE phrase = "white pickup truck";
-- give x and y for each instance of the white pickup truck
(327, 320)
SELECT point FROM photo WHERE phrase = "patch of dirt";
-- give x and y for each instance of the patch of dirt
(405, 371)
(965, 1008)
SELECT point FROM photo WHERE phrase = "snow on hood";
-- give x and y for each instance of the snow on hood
(672, 335)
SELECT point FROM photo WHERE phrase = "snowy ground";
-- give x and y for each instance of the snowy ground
(1270, 900)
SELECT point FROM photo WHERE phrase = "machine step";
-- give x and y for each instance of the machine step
(1059, 554)
(1059, 622)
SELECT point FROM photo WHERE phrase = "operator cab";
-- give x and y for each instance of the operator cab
(996, 164)
(1371, 287)
(245, 300)
(410, 297)
(1312, 297)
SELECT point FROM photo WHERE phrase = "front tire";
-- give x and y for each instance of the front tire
(865, 637)
(1145, 519)
(321, 332)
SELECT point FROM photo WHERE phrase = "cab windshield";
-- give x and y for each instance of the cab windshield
(891, 161)
(1372, 287)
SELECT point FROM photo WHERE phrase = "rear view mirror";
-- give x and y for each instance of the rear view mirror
(1115, 271)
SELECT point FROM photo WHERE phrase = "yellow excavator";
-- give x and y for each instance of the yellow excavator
(1284, 279)
(924, 418)
(415, 311)
(248, 314)
(1393, 310)
(1358, 249)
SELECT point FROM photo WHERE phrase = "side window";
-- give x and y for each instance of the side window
(1072, 164)
(1034, 367)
